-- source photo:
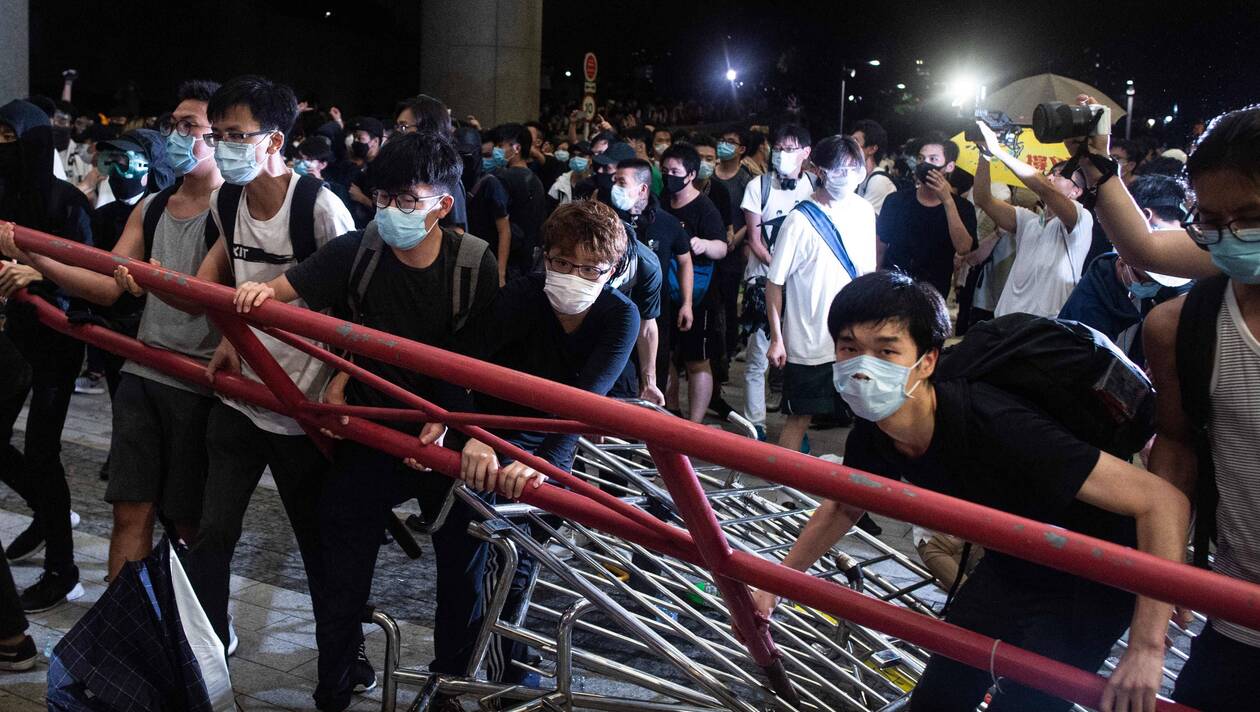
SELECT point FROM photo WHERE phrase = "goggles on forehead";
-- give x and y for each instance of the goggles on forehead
(124, 164)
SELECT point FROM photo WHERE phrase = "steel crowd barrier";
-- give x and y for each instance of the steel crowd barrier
(671, 441)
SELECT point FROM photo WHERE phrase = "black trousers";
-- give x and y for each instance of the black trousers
(1220, 674)
(358, 495)
(1064, 618)
(36, 472)
(14, 385)
(237, 452)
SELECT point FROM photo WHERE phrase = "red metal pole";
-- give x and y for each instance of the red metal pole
(1102, 561)
(951, 641)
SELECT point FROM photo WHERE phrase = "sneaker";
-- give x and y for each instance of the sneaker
(761, 433)
(51, 590)
(74, 519)
(22, 656)
(27, 544)
(362, 675)
(90, 384)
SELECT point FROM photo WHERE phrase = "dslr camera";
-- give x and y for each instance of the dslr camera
(1056, 121)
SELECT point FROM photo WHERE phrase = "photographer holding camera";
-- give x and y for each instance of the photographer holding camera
(1050, 248)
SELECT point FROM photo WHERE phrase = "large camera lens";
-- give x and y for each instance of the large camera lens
(1055, 121)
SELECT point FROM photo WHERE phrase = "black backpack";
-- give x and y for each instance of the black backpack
(469, 252)
(1066, 368)
(157, 206)
(1196, 360)
(301, 215)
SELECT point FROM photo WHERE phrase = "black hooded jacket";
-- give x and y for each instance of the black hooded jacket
(29, 193)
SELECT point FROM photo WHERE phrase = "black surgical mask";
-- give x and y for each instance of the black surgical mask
(61, 137)
(359, 149)
(675, 184)
(125, 188)
(921, 171)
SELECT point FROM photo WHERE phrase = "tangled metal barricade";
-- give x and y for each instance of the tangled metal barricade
(696, 535)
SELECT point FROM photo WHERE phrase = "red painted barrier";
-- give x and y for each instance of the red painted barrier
(1091, 558)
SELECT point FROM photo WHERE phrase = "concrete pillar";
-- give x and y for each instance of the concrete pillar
(15, 50)
(483, 57)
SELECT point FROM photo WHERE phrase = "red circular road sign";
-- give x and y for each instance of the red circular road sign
(591, 66)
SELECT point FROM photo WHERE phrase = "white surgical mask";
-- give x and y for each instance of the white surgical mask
(882, 390)
(786, 162)
(570, 293)
(840, 183)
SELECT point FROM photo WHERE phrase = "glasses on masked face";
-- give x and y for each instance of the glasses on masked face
(212, 139)
(1210, 232)
(183, 127)
(588, 272)
(406, 202)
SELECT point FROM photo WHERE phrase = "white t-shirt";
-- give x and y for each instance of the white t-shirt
(779, 204)
(270, 257)
(875, 189)
(812, 276)
(1048, 262)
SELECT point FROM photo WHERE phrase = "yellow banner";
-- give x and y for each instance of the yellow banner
(1040, 156)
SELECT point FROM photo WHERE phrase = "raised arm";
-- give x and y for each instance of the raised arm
(1002, 212)
(1059, 205)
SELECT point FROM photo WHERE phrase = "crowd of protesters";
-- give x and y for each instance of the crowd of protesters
(628, 258)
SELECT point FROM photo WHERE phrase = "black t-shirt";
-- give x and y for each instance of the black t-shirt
(700, 218)
(662, 232)
(412, 303)
(488, 202)
(918, 237)
(527, 208)
(996, 449)
(643, 281)
(717, 192)
(521, 331)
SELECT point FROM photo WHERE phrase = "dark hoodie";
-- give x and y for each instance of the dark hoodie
(1100, 300)
(29, 193)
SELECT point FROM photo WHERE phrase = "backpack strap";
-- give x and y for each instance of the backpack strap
(1196, 360)
(468, 257)
(366, 258)
(228, 203)
(211, 233)
(830, 235)
(766, 185)
(153, 214)
(302, 216)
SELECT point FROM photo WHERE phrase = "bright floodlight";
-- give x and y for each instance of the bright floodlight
(963, 89)
(1150, 122)
(874, 62)
(730, 75)
(1168, 119)
(568, 73)
(901, 86)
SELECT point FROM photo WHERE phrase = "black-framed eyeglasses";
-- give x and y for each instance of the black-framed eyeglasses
(406, 128)
(1205, 233)
(212, 139)
(589, 272)
(183, 127)
(406, 202)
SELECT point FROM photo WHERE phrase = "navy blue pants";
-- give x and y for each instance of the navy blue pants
(358, 496)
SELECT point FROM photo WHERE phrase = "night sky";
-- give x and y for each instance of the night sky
(365, 55)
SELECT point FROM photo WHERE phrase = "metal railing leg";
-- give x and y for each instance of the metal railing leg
(393, 652)
(564, 650)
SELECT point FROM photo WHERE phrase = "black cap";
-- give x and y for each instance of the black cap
(615, 153)
(371, 125)
(122, 143)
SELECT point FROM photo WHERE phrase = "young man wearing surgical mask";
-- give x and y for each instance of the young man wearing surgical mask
(566, 325)
(807, 273)
(416, 267)
(154, 412)
(921, 229)
(578, 159)
(527, 199)
(249, 116)
(889, 331)
(766, 203)
(1113, 296)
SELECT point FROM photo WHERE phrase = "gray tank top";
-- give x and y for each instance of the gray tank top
(1235, 430)
(179, 245)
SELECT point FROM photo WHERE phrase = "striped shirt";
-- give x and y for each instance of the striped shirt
(1235, 431)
